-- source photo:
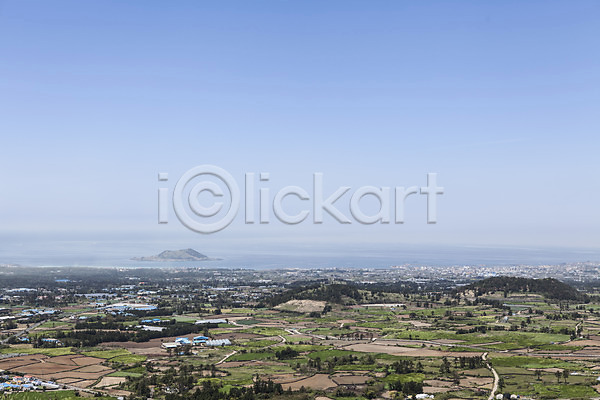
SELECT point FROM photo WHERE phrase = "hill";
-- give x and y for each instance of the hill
(302, 306)
(333, 293)
(549, 287)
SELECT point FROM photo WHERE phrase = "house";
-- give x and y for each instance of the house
(200, 340)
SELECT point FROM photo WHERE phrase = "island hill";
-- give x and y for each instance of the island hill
(177, 255)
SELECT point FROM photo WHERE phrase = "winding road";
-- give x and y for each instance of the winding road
(496, 377)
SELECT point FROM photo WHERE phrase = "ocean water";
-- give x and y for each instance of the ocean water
(119, 254)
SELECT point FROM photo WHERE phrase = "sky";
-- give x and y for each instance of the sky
(500, 99)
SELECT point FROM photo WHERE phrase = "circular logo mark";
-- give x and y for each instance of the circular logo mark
(198, 210)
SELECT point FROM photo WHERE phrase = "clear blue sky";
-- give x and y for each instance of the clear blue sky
(501, 99)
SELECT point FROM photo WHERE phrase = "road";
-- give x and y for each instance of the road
(496, 377)
(24, 331)
(226, 357)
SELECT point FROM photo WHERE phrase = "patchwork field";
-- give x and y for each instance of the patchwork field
(77, 367)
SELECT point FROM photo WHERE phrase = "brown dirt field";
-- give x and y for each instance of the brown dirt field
(118, 393)
(75, 374)
(435, 389)
(471, 381)
(407, 351)
(144, 345)
(132, 345)
(68, 381)
(420, 324)
(478, 372)
(303, 338)
(110, 381)
(135, 345)
(318, 382)
(436, 383)
(83, 361)
(237, 335)
(351, 379)
(15, 362)
(93, 368)
(286, 378)
(47, 368)
(585, 343)
(150, 352)
(151, 348)
(84, 383)
(64, 360)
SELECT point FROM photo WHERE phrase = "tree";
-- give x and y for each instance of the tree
(455, 378)
(538, 374)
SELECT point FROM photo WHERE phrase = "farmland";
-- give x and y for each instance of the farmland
(334, 340)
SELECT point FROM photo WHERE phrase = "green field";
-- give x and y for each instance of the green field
(51, 352)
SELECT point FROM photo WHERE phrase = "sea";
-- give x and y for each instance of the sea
(120, 254)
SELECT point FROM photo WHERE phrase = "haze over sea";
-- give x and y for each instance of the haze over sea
(119, 254)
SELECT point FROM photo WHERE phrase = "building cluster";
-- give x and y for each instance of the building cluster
(30, 312)
(25, 383)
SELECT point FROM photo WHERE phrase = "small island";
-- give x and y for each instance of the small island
(177, 255)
